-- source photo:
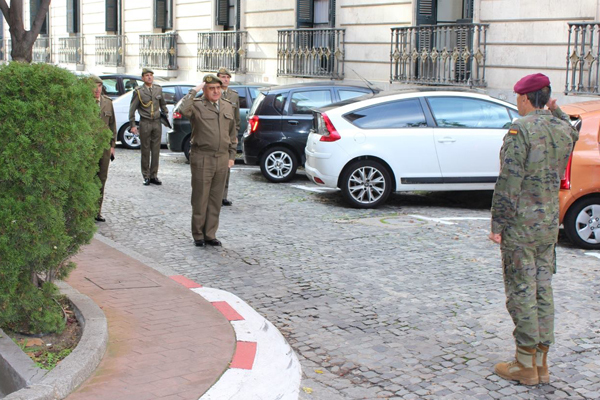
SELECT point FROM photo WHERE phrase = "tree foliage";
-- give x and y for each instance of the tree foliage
(51, 139)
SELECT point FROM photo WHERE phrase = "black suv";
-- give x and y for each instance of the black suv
(280, 120)
(178, 138)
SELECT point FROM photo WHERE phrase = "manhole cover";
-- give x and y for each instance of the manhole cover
(124, 282)
(402, 221)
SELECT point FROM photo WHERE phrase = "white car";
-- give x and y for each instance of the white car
(408, 140)
(172, 92)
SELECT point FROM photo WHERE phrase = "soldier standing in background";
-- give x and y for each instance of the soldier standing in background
(231, 96)
(525, 217)
(212, 154)
(107, 114)
(149, 102)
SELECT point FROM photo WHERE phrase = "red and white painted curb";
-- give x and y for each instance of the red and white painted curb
(264, 366)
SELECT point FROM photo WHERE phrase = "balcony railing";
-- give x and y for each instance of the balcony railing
(110, 50)
(311, 53)
(222, 49)
(452, 54)
(70, 50)
(41, 50)
(159, 51)
(583, 54)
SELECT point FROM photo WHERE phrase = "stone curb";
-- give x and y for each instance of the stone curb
(82, 362)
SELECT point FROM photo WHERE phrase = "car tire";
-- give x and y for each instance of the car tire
(278, 164)
(127, 139)
(186, 147)
(366, 184)
(582, 223)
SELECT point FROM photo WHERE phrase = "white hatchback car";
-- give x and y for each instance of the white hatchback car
(172, 92)
(408, 140)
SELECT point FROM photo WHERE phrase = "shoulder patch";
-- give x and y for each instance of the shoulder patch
(513, 131)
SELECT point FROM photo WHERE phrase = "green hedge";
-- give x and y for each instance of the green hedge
(51, 140)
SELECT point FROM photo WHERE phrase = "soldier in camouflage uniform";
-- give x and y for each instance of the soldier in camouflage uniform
(525, 216)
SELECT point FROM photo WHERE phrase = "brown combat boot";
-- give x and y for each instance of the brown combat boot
(522, 369)
(541, 360)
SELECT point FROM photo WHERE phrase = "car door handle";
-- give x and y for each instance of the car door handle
(447, 140)
(293, 122)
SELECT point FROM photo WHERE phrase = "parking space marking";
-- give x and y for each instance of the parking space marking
(597, 255)
(446, 221)
(312, 189)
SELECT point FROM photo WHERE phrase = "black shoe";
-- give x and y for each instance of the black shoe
(100, 218)
(199, 243)
(227, 202)
(213, 242)
(155, 181)
(146, 182)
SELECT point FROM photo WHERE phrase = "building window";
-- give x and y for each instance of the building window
(315, 13)
(228, 15)
(73, 16)
(163, 14)
(113, 16)
(34, 6)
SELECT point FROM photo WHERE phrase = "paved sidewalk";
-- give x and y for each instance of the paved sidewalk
(165, 341)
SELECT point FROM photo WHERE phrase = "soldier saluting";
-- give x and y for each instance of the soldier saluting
(149, 102)
(525, 211)
(212, 153)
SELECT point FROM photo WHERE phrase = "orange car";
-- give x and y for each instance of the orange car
(580, 189)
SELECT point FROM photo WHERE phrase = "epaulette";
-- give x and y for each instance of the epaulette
(233, 90)
(106, 97)
(229, 101)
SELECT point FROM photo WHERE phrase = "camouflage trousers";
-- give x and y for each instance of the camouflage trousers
(527, 272)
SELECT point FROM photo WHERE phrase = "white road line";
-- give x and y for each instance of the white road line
(597, 255)
(311, 189)
(445, 221)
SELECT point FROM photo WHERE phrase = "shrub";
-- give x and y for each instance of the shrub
(51, 140)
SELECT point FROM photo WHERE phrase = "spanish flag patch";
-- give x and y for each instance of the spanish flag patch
(513, 131)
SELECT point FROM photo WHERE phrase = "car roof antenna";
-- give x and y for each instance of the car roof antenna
(370, 85)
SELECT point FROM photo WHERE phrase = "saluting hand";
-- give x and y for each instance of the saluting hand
(551, 104)
(200, 87)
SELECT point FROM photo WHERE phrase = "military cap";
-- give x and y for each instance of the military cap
(95, 78)
(224, 71)
(210, 78)
(531, 83)
(147, 71)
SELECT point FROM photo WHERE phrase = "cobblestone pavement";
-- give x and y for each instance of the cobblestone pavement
(385, 303)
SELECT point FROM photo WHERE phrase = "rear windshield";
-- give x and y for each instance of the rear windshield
(259, 99)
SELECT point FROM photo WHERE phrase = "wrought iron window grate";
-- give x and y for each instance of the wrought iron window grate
(311, 53)
(222, 49)
(41, 51)
(70, 50)
(583, 54)
(451, 54)
(110, 50)
(159, 51)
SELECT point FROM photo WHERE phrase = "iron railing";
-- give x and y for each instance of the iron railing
(583, 54)
(311, 53)
(159, 51)
(452, 54)
(4, 50)
(222, 49)
(110, 50)
(41, 50)
(70, 50)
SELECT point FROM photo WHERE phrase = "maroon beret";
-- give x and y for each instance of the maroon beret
(531, 83)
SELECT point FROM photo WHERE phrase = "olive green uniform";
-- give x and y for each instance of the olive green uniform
(213, 144)
(107, 114)
(149, 102)
(233, 97)
(525, 212)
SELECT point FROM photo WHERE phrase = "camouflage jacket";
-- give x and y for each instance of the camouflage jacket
(533, 160)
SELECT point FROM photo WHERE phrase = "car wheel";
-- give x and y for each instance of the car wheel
(186, 147)
(582, 223)
(278, 164)
(366, 184)
(128, 139)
